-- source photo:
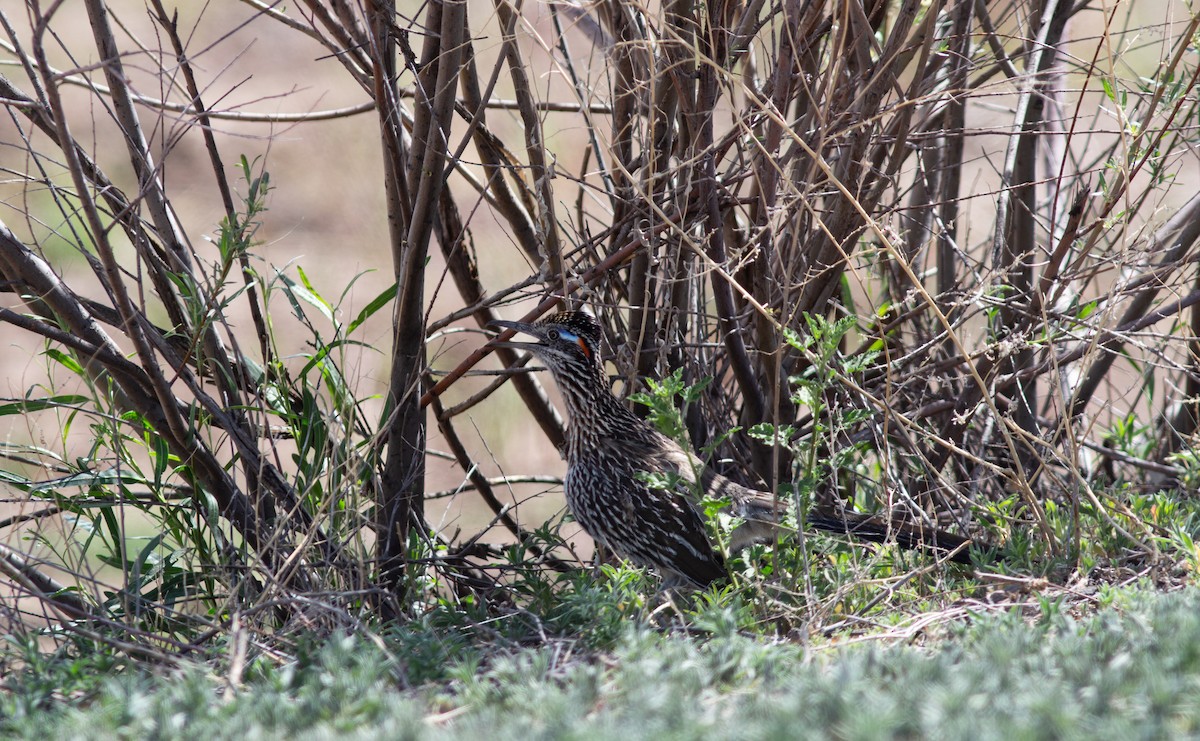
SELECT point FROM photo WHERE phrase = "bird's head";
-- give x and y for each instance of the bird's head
(569, 339)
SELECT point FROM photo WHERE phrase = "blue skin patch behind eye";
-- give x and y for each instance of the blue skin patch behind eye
(572, 337)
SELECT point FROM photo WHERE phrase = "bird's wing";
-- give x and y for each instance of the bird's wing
(759, 511)
(674, 531)
(657, 524)
(747, 503)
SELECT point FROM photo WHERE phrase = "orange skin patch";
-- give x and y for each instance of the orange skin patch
(583, 346)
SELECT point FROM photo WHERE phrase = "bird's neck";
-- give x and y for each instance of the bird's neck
(593, 410)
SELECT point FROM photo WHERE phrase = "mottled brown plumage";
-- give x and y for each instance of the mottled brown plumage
(609, 450)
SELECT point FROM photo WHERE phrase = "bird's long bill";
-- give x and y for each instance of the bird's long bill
(521, 327)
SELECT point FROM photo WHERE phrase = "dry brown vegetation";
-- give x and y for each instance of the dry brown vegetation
(993, 201)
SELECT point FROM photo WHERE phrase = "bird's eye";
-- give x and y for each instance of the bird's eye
(552, 335)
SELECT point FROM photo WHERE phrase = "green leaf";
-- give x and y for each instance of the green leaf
(772, 434)
(662, 480)
(12, 479)
(304, 292)
(88, 479)
(378, 303)
(861, 361)
(25, 406)
(66, 360)
(795, 339)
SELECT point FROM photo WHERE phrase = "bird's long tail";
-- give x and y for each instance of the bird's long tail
(908, 535)
(761, 513)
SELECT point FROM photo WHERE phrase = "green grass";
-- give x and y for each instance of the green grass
(1129, 670)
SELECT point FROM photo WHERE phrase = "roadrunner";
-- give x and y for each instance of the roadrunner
(610, 451)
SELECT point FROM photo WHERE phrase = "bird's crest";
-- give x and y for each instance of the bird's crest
(579, 327)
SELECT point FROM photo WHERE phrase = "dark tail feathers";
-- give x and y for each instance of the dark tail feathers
(904, 534)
